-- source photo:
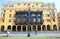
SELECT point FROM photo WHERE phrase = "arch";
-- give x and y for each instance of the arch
(14, 28)
(39, 28)
(54, 27)
(2, 28)
(29, 28)
(24, 28)
(9, 27)
(48, 27)
(18, 28)
(34, 28)
(43, 28)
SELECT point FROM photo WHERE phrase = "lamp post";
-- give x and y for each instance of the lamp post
(28, 22)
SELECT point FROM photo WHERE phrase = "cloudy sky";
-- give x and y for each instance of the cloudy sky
(57, 2)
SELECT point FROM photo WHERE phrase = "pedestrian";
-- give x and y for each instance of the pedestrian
(36, 32)
(8, 32)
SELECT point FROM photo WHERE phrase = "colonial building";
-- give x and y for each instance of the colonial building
(24, 16)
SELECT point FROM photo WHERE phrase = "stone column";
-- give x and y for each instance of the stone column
(36, 27)
(31, 27)
(51, 27)
(16, 28)
(46, 27)
(21, 28)
(11, 28)
(41, 27)
(5, 28)
(26, 28)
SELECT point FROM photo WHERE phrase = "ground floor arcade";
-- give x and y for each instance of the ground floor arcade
(31, 27)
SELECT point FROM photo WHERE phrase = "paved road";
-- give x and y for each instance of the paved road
(41, 33)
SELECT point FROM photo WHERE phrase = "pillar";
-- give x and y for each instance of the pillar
(21, 28)
(11, 28)
(41, 27)
(51, 27)
(46, 27)
(16, 28)
(31, 27)
(26, 28)
(5, 28)
(36, 27)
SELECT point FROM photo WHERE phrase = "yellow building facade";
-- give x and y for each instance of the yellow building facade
(9, 10)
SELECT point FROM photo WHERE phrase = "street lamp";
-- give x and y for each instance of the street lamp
(28, 22)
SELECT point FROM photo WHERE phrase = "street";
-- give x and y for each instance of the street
(39, 33)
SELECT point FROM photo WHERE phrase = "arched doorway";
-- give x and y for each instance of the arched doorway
(24, 28)
(48, 27)
(2, 28)
(14, 28)
(18, 28)
(9, 27)
(39, 28)
(34, 28)
(29, 28)
(54, 27)
(43, 28)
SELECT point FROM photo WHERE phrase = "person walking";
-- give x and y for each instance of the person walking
(8, 32)
(35, 32)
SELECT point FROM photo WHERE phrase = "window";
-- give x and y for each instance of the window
(54, 20)
(18, 19)
(4, 10)
(23, 19)
(36, 4)
(48, 20)
(10, 5)
(10, 15)
(38, 19)
(28, 4)
(34, 20)
(5, 6)
(24, 14)
(41, 5)
(3, 16)
(9, 20)
(24, 3)
(18, 3)
(2, 20)
(33, 15)
(38, 14)
(33, 6)
(47, 15)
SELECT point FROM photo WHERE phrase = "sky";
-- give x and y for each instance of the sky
(57, 2)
